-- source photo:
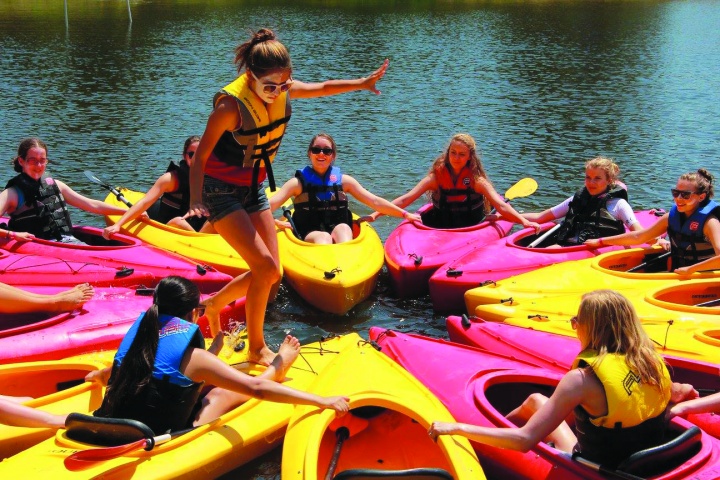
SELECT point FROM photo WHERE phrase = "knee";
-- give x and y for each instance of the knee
(268, 270)
(534, 402)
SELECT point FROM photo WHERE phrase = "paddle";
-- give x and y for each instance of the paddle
(649, 262)
(605, 470)
(709, 303)
(344, 428)
(91, 176)
(522, 188)
(288, 215)
(83, 459)
(542, 237)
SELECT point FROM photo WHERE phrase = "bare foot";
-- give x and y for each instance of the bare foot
(263, 356)
(74, 298)
(287, 353)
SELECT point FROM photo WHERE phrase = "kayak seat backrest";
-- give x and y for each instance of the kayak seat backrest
(410, 474)
(106, 432)
(665, 457)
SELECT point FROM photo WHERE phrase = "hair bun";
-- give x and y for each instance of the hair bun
(263, 35)
(704, 173)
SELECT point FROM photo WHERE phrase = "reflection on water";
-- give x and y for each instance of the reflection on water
(542, 86)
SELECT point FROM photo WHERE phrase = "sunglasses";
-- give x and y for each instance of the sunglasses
(190, 154)
(684, 194)
(271, 87)
(198, 312)
(36, 161)
(325, 150)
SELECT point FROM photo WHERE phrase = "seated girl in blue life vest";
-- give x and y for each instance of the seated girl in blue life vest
(37, 204)
(692, 225)
(161, 366)
(613, 418)
(319, 192)
(460, 191)
(172, 190)
(599, 209)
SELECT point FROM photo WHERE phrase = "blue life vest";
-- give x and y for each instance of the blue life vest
(169, 400)
(687, 240)
(323, 204)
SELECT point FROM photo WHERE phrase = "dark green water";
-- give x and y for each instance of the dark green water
(542, 86)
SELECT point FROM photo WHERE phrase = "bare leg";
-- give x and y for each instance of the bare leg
(563, 436)
(15, 300)
(254, 238)
(321, 238)
(342, 233)
(220, 401)
(181, 223)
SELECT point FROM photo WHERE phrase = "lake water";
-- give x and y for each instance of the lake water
(542, 86)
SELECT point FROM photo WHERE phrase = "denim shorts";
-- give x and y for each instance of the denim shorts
(222, 198)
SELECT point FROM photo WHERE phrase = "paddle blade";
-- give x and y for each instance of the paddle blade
(523, 188)
(87, 458)
(91, 176)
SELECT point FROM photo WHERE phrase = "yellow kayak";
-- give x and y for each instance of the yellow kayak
(333, 278)
(56, 386)
(205, 452)
(206, 248)
(385, 431)
(606, 271)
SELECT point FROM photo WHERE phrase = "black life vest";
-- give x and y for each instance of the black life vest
(176, 203)
(43, 211)
(687, 240)
(588, 217)
(323, 204)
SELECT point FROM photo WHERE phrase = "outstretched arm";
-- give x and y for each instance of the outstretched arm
(427, 183)
(708, 404)
(88, 204)
(379, 204)
(166, 183)
(290, 189)
(204, 366)
(484, 187)
(633, 237)
(18, 415)
(300, 89)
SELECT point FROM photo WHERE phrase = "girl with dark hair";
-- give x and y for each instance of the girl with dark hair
(692, 225)
(173, 191)
(37, 204)
(240, 141)
(161, 367)
(322, 214)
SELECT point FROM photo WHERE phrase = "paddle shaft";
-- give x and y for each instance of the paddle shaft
(341, 434)
(605, 470)
(112, 190)
(709, 303)
(649, 262)
(288, 215)
(542, 237)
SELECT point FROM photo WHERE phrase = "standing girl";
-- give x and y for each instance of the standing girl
(235, 154)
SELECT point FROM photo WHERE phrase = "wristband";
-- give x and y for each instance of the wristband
(404, 214)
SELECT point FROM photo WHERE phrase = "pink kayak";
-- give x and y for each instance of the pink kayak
(557, 352)
(414, 251)
(99, 325)
(31, 269)
(124, 252)
(504, 258)
(479, 387)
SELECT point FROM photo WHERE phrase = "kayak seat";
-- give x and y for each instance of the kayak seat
(106, 432)
(655, 460)
(410, 474)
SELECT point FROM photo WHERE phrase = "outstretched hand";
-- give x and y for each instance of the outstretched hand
(440, 428)
(197, 209)
(370, 81)
(339, 403)
(593, 242)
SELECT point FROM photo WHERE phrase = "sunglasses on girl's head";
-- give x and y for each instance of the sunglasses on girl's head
(271, 87)
(684, 194)
(317, 150)
(198, 312)
(190, 154)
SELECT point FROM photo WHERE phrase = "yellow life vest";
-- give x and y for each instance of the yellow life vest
(256, 142)
(630, 402)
